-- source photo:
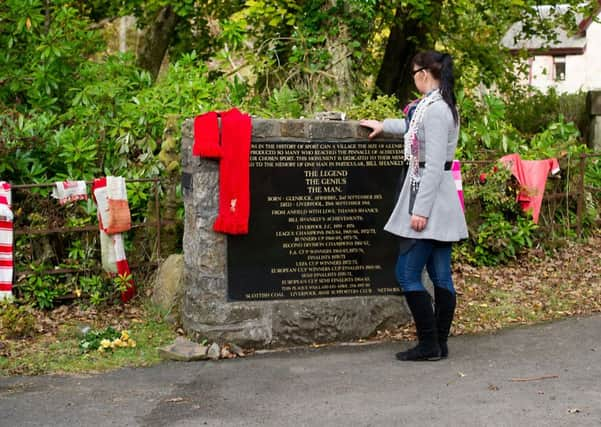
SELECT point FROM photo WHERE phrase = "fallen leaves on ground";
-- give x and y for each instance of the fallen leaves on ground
(538, 287)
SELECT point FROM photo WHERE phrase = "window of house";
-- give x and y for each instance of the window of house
(559, 63)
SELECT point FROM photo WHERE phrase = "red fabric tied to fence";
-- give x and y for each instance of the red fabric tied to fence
(532, 176)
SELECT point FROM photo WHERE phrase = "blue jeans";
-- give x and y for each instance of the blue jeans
(420, 253)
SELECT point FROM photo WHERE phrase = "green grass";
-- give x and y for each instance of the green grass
(61, 353)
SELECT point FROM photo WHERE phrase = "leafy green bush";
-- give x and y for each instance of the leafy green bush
(592, 180)
(41, 56)
(499, 230)
(485, 132)
(383, 107)
(488, 134)
(499, 239)
(111, 121)
(557, 139)
(97, 289)
(283, 104)
(16, 321)
(593, 173)
(535, 113)
(41, 289)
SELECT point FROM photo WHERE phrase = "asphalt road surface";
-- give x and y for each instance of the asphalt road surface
(546, 375)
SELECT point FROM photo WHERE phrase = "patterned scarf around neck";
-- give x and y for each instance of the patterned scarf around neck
(411, 143)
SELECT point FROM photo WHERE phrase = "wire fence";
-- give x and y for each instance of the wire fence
(45, 230)
(567, 193)
(38, 216)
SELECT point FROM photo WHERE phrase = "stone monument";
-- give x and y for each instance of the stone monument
(316, 265)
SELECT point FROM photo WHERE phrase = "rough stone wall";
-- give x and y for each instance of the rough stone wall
(206, 313)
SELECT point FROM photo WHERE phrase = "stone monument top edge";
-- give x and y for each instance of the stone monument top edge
(305, 128)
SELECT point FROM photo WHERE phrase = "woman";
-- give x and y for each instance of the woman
(428, 215)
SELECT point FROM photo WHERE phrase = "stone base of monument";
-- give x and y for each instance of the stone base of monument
(316, 266)
(290, 322)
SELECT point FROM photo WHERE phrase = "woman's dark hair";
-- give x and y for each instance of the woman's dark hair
(441, 67)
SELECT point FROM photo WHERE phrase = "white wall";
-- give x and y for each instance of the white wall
(593, 56)
(583, 72)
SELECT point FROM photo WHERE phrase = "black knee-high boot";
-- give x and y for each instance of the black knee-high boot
(445, 302)
(427, 348)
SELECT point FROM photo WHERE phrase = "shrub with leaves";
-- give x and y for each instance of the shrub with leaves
(41, 289)
(488, 133)
(592, 179)
(383, 107)
(16, 321)
(485, 132)
(499, 229)
(283, 104)
(499, 240)
(97, 289)
(111, 121)
(42, 46)
(534, 113)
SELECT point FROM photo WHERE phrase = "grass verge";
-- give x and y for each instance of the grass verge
(57, 351)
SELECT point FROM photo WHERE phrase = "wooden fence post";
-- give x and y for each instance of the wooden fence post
(580, 202)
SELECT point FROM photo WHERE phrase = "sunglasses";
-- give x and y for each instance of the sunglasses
(414, 72)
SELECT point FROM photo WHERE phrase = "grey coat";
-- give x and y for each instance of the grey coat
(437, 197)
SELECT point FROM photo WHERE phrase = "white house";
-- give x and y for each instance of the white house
(571, 64)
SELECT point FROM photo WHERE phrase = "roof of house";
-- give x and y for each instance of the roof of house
(566, 43)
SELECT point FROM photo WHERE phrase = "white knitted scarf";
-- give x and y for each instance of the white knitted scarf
(411, 143)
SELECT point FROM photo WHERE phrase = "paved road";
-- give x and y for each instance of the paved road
(559, 365)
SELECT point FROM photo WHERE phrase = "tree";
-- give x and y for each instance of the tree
(314, 47)
(156, 40)
(471, 30)
(176, 27)
(412, 29)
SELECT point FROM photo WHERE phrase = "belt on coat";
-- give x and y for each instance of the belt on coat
(447, 165)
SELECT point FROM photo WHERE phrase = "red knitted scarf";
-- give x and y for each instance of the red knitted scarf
(234, 152)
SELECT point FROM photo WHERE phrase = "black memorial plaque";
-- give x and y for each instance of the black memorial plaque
(316, 224)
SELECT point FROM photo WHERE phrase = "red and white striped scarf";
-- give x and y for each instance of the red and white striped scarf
(104, 190)
(70, 191)
(6, 242)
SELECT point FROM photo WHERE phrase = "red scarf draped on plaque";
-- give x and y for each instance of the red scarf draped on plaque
(233, 150)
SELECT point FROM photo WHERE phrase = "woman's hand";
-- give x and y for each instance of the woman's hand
(418, 223)
(373, 124)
